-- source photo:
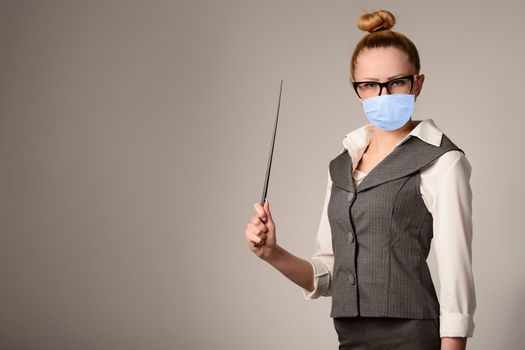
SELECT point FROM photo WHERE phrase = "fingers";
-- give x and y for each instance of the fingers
(252, 236)
(261, 225)
(257, 227)
(260, 211)
(268, 215)
(256, 221)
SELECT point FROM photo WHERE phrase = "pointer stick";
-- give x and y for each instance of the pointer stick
(269, 165)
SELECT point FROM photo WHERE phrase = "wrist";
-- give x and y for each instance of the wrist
(272, 254)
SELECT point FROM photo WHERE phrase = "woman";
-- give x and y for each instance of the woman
(397, 184)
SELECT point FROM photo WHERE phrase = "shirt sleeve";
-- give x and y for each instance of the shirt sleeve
(323, 258)
(452, 224)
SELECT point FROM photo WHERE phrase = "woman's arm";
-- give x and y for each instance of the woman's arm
(451, 209)
(453, 343)
(313, 276)
(298, 270)
(262, 230)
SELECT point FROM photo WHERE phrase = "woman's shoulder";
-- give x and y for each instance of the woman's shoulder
(449, 175)
(451, 164)
(431, 133)
(448, 160)
(453, 155)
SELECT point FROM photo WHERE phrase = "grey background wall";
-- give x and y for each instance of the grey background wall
(133, 144)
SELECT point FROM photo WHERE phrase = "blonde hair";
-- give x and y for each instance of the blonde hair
(378, 24)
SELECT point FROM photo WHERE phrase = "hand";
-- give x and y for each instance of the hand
(261, 230)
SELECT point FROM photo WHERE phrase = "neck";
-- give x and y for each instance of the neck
(383, 141)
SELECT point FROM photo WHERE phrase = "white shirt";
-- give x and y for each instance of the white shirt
(446, 192)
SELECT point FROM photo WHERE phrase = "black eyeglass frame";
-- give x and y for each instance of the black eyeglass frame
(385, 84)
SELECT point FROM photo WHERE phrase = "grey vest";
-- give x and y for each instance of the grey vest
(381, 234)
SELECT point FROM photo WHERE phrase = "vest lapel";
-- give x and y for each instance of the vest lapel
(341, 171)
(405, 159)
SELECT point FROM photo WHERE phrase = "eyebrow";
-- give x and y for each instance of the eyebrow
(392, 77)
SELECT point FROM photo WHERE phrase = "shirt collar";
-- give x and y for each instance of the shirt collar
(357, 140)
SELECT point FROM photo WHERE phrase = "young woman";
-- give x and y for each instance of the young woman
(397, 184)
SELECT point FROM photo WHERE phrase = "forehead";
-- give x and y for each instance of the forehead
(381, 63)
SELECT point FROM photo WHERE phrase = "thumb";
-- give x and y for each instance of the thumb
(266, 207)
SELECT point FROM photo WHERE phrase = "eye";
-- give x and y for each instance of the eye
(399, 82)
(369, 85)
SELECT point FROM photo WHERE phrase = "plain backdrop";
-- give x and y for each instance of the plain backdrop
(134, 138)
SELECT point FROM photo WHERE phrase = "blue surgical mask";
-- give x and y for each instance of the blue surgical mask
(389, 112)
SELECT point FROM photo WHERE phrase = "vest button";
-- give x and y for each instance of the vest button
(351, 278)
(350, 196)
(351, 238)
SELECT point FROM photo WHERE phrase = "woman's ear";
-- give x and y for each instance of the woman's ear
(418, 84)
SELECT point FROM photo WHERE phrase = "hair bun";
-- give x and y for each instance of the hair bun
(375, 21)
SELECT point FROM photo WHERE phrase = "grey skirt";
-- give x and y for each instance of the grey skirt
(387, 333)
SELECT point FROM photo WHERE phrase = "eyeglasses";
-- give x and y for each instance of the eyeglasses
(401, 85)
